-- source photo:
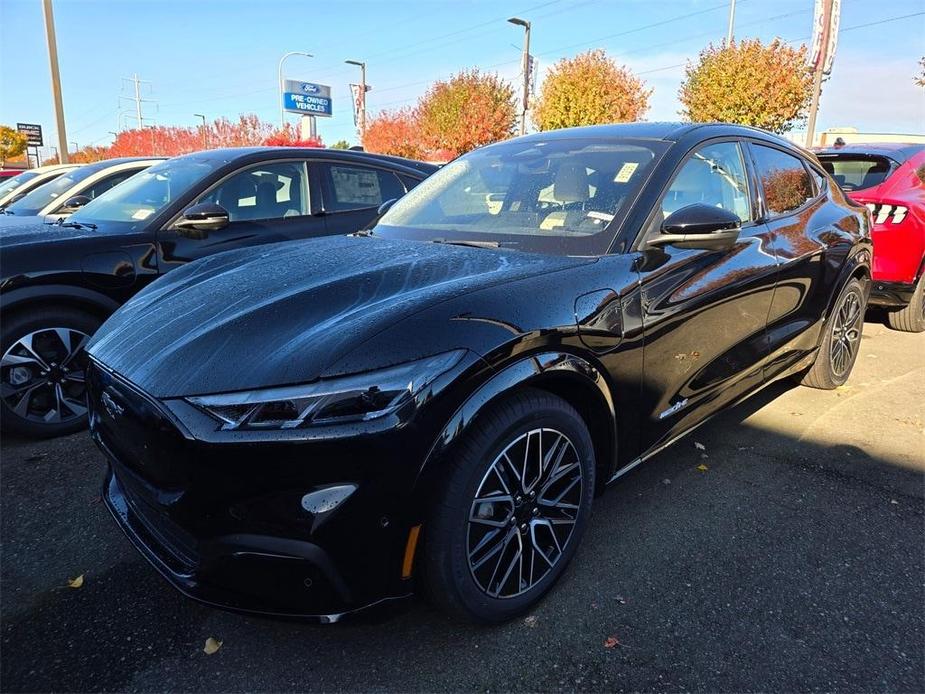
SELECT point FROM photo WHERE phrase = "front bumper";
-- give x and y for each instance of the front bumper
(225, 523)
(891, 294)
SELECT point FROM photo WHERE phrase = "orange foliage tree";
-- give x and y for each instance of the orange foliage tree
(395, 132)
(589, 89)
(469, 110)
(749, 83)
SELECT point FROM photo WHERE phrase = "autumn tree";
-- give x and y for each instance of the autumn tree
(748, 83)
(920, 78)
(395, 132)
(12, 143)
(589, 89)
(468, 110)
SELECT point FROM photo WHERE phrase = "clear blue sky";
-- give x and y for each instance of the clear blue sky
(220, 58)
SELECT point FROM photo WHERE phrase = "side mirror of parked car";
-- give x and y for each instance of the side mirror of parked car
(76, 202)
(200, 219)
(384, 207)
(699, 226)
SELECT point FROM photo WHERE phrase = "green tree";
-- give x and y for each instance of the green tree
(341, 144)
(589, 89)
(469, 110)
(749, 83)
(12, 143)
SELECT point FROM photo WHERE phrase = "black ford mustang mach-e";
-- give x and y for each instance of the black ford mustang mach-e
(314, 427)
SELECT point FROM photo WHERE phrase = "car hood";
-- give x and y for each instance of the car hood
(281, 314)
(19, 231)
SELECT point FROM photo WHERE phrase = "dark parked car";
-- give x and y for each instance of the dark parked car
(434, 403)
(60, 281)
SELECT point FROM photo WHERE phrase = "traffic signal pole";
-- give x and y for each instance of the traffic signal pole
(55, 80)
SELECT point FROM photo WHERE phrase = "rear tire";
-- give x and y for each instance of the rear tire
(911, 318)
(42, 367)
(838, 349)
(488, 561)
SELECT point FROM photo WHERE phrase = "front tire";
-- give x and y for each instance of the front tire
(911, 318)
(841, 341)
(42, 371)
(512, 510)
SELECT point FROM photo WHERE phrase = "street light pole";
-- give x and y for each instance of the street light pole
(732, 21)
(55, 78)
(363, 90)
(526, 65)
(282, 111)
(205, 135)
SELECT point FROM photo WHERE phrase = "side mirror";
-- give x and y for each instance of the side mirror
(699, 226)
(384, 207)
(76, 202)
(202, 218)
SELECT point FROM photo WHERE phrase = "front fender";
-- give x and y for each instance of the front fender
(549, 370)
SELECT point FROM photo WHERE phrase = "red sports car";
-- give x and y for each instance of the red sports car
(890, 179)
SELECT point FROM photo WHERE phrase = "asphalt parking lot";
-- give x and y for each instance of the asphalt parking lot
(779, 547)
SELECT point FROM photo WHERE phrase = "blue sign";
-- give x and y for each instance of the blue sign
(307, 98)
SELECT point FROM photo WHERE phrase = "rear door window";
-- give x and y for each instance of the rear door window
(784, 179)
(355, 187)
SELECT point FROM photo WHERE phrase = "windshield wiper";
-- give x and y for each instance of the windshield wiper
(473, 244)
(77, 225)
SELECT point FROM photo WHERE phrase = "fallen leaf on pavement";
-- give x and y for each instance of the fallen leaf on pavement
(530, 621)
(702, 467)
(611, 642)
(76, 582)
(212, 646)
(699, 446)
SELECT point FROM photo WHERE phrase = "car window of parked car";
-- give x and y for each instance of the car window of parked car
(713, 175)
(144, 194)
(35, 200)
(784, 180)
(857, 171)
(266, 191)
(14, 183)
(353, 187)
(556, 196)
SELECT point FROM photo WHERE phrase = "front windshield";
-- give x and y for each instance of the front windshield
(12, 184)
(145, 194)
(557, 196)
(33, 201)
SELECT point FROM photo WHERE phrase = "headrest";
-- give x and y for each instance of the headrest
(571, 184)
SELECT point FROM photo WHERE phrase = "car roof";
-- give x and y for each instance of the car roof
(668, 131)
(106, 163)
(229, 155)
(898, 151)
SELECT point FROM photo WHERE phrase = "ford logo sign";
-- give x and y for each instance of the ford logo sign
(309, 88)
(112, 407)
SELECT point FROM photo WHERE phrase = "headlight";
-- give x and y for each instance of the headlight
(358, 397)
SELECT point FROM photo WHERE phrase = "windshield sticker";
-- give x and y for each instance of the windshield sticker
(625, 172)
(603, 216)
(142, 214)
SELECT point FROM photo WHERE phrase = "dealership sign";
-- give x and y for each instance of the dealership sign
(825, 34)
(33, 133)
(307, 98)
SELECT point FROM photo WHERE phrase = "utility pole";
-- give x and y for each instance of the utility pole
(732, 21)
(137, 99)
(55, 79)
(819, 68)
(362, 95)
(526, 66)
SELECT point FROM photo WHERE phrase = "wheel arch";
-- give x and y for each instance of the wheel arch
(570, 377)
(46, 296)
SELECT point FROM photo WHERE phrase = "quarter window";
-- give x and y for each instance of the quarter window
(271, 191)
(713, 175)
(352, 187)
(785, 181)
